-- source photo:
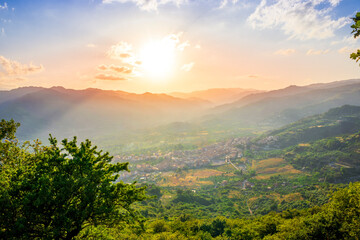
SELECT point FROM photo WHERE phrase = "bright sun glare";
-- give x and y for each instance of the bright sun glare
(157, 59)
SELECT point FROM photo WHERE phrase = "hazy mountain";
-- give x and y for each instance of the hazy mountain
(89, 112)
(280, 107)
(217, 96)
(333, 84)
(288, 91)
(93, 112)
(16, 93)
(255, 97)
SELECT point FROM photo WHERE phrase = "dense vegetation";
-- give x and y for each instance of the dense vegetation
(337, 152)
(53, 192)
(335, 122)
(337, 219)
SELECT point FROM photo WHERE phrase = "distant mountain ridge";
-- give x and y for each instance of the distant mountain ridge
(88, 112)
(92, 112)
(280, 107)
(217, 96)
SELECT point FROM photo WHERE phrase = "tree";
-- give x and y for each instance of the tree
(345, 209)
(356, 32)
(54, 192)
(8, 142)
(8, 129)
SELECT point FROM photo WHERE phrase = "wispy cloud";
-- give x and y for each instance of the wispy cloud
(121, 51)
(346, 40)
(285, 52)
(4, 6)
(183, 45)
(13, 68)
(148, 5)
(114, 68)
(173, 41)
(300, 19)
(317, 52)
(187, 67)
(225, 2)
(346, 50)
(111, 77)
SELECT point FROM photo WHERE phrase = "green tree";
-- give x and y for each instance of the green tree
(356, 32)
(54, 192)
(8, 129)
(8, 142)
(345, 209)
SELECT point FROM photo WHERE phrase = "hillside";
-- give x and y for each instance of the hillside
(277, 108)
(335, 122)
(336, 157)
(90, 112)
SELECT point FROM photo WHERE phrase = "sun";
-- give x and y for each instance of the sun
(157, 59)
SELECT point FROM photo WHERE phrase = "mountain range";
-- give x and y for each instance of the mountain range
(279, 107)
(93, 112)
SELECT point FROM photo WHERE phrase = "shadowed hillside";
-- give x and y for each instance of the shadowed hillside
(280, 107)
(92, 111)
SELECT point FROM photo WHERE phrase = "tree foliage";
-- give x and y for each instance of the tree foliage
(339, 218)
(56, 191)
(356, 31)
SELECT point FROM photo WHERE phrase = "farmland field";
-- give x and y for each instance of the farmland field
(273, 167)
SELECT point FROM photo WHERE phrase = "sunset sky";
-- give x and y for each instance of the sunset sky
(175, 45)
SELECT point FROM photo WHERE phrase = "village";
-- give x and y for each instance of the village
(146, 168)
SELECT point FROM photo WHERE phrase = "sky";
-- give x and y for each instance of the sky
(176, 45)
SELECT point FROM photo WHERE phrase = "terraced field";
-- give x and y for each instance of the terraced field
(273, 167)
(191, 178)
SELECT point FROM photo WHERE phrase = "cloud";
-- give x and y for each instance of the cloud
(347, 40)
(317, 52)
(187, 67)
(183, 45)
(346, 50)
(334, 2)
(13, 68)
(120, 51)
(255, 77)
(225, 2)
(2, 29)
(118, 69)
(300, 19)
(173, 39)
(148, 5)
(285, 52)
(111, 77)
(5, 6)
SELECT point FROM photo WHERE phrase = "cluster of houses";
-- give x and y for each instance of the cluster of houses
(148, 166)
